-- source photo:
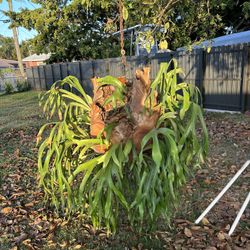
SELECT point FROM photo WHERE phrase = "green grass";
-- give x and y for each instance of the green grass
(20, 110)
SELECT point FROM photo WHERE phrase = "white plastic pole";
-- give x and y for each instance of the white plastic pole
(242, 209)
(223, 192)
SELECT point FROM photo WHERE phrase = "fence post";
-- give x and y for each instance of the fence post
(52, 71)
(33, 78)
(45, 76)
(93, 67)
(202, 77)
(39, 77)
(80, 72)
(67, 66)
(60, 68)
(243, 84)
(44, 87)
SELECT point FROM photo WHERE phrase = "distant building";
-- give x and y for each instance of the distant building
(35, 60)
(11, 64)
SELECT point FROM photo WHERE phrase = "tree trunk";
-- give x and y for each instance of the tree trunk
(15, 38)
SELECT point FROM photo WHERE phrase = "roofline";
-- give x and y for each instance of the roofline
(34, 60)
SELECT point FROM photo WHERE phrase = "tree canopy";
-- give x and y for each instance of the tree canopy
(7, 48)
(69, 30)
(82, 29)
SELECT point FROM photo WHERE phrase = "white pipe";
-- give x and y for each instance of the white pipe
(222, 111)
(223, 191)
(242, 209)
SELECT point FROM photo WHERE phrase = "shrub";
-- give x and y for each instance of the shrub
(129, 148)
(22, 85)
(8, 87)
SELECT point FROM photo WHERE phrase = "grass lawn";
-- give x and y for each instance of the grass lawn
(28, 223)
(19, 111)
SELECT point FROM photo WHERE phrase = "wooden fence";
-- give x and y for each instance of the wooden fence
(223, 75)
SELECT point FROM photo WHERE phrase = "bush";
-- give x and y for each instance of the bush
(22, 85)
(128, 150)
(8, 87)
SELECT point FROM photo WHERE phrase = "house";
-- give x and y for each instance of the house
(5, 64)
(35, 60)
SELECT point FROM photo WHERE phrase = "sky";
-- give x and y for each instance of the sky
(24, 34)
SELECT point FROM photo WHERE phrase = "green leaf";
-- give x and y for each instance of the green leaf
(163, 45)
(167, 25)
(156, 152)
(125, 13)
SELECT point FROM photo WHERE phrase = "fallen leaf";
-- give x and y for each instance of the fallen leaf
(187, 232)
(77, 247)
(2, 198)
(63, 244)
(207, 181)
(6, 210)
(221, 236)
(17, 195)
(26, 241)
(195, 228)
(205, 221)
(30, 204)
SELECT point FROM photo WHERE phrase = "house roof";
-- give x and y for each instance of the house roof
(10, 61)
(235, 38)
(231, 39)
(37, 58)
(4, 63)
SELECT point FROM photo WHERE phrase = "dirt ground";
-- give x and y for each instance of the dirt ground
(27, 223)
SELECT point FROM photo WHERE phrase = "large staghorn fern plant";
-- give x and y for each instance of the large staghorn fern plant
(128, 149)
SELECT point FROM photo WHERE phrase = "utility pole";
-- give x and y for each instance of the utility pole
(15, 38)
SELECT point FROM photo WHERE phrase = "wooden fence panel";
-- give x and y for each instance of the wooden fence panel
(134, 63)
(101, 67)
(37, 84)
(48, 76)
(74, 70)
(42, 77)
(223, 75)
(192, 65)
(247, 80)
(30, 78)
(116, 68)
(63, 70)
(56, 68)
(223, 78)
(86, 68)
(156, 61)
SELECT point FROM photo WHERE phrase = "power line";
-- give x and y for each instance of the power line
(2, 16)
(4, 20)
(31, 4)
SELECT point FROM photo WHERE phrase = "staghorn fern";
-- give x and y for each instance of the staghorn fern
(140, 176)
